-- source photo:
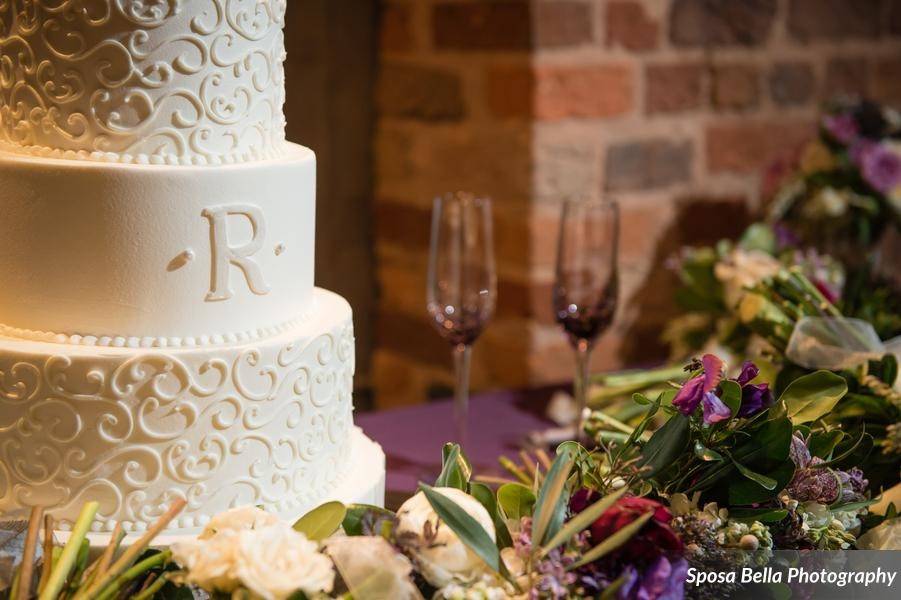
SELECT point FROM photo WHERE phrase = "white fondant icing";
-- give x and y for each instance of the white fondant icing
(224, 255)
(264, 423)
(88, 248)
(143, 81)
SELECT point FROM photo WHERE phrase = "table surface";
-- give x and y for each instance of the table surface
(412, 437)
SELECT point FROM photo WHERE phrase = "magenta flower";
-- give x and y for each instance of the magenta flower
(880, 167)
(693, 391)
(842, 127)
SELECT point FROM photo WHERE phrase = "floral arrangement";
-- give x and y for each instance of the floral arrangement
(734, 473)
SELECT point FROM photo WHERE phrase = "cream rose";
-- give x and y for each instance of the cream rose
(275, 562)
(236, 519)
(441, 555)
(741, 269)
(210, 562)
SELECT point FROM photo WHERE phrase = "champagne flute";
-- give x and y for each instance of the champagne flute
(462, 285)
(586, 283)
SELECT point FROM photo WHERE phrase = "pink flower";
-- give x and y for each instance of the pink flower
(694, 390)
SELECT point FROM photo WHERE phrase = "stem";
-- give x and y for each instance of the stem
(151, 590)
(70, 552)
(47, 560)
(157, 560)
(462, 355)
(580, 385)
(22, 591)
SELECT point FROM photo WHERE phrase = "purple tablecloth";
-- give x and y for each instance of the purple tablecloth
(413, 437)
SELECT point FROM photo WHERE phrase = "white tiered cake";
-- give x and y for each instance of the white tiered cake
(161, 336)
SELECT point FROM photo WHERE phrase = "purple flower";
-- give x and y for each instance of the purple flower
(881, 168)
(842, 127)
(714, 409)
(693, 391)
(663, 580)
(785, 237)
(854, 484)
(754, 396)
(798, 452)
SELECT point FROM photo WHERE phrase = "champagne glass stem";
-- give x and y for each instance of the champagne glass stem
(462, 353)
(583, 354)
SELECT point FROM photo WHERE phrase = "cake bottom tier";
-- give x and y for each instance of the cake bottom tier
(266, 422)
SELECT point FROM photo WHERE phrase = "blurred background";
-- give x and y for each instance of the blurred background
(683, 110)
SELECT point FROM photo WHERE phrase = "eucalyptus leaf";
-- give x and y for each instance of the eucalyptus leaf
(322, 521)
(613, 542)
(812, 396)
(361, 516)
(455, 468)
(466, 527)
(551, 497)
(516, 500)
(485, 496)
(583, 520)
(665, 445)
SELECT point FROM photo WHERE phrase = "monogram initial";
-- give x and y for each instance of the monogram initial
(224, 255)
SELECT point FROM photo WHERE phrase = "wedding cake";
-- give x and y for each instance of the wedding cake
(161, 335)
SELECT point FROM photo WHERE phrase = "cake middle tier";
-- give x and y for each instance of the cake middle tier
(117, 254)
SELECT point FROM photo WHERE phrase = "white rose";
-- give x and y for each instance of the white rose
(210, 563)
(442, 558)
(275, 562)
(236, 519)
(372, 568)
(743, 268)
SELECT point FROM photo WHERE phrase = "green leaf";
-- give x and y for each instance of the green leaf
(665, 445)
(639, 398)
(812, 396)
(516, 500)
(466, 527)
(745, 491)
(455, 469)
(762, 480)
(551, 498)
(613, 542)
(583, 520)
(485, 496)
(358, 514)
(322, 521)
(705, 453)
(822, 443)
(764, 515)
(731, 395)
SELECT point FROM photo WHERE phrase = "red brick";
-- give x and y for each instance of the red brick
(630, 27)
(736, 87)
(846, 76)
(673, 87)
(604, 90)
(562, 23)
(526, 299)
(712, 23)
(412, 336)
(886, 82)
(402, 225)
(648, 163)
(483, 26)
(747, 146)
(791, 83)
(833, 20)
(420, 92)
(510, 90)
(395, 33)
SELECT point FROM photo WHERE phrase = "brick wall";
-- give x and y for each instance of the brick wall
(675, 107)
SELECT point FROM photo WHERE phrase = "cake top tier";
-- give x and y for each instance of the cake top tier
(145, 81)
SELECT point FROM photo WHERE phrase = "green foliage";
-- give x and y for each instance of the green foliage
(665, 446)
(516, 500)
(456, 470)
(466, 527)
(551, 504)
(322, 521)
(813, 396)
(486, 498)
(366, 519)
